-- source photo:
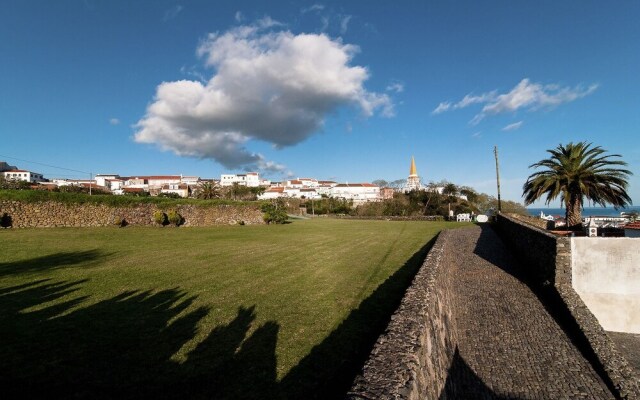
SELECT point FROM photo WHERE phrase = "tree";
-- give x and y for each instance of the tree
(274, 212)
(380, 183)
(450, 190)
(208, 190)
(575, 172)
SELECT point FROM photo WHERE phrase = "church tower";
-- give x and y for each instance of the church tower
(413, 181)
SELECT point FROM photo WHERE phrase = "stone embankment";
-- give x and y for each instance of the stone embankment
(472, 326)
(54, 214)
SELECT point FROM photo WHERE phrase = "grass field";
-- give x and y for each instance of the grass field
(285, 311)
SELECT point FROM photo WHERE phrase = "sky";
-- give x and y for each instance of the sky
(344, 90)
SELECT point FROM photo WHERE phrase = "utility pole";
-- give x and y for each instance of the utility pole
(495, 152)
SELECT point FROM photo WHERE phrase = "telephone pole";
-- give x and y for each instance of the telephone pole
(495, 152)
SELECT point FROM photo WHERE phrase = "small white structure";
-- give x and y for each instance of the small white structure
(465, 217)
(23, 175)
(591, 229)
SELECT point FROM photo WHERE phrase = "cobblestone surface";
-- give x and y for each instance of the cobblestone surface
(628, 345)
(509, 345)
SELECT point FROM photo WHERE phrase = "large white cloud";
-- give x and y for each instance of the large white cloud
(273, 86)
(526, 94)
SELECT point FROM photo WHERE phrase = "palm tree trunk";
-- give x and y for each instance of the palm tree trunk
(574, 213)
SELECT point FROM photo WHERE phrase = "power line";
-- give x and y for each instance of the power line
(46, 165)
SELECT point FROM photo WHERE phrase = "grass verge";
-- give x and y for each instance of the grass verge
(287, 311)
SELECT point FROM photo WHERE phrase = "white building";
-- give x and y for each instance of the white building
(23, 175)
(250, 179)
(272, 193)
(358, 192)
(101, 179)
(181, 189)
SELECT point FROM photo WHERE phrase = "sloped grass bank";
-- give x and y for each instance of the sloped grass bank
(287, 311)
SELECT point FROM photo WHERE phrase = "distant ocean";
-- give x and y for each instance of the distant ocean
(586, 212)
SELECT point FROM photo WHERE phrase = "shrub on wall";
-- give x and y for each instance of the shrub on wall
(175, 218)
(160, 218)
(120, 222)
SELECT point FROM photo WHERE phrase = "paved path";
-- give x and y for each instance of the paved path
(628, 345)
(510, 347)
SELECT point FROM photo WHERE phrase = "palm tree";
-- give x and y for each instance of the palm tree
(208, 190)
(576, 171)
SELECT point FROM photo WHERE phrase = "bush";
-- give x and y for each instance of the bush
(120, 222)
(160, 218)
(175, 218)
(274, 212)
(170, 195)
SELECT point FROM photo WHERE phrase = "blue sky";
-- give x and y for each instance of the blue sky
(333, 90)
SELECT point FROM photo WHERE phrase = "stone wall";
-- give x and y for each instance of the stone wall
(55, 214)
(412, 358)
(547, 258)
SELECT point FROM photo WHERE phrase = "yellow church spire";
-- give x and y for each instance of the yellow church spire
(413, 170)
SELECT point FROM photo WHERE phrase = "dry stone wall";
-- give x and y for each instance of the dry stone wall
(411, 360)
(54, 214)
(548, 259)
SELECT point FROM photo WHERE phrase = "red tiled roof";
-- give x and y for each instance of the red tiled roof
(133, 190)
(295, 182)
(356, 185)
(275, 190)
(633, 225)
(158, 177)
(18, 170)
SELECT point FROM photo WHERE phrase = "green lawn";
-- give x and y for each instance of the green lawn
(286, 311)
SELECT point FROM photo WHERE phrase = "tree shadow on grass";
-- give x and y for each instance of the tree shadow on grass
(122, 347)
(53, 261)
(330, 368)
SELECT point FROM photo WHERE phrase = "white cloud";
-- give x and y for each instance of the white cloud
(442, 107)
(344, 24)
(397, 87)
(315, 7)
(238, 16)
(114, 121)
(172, 13)
(272, 86)
(525, 95)
(477, 134)
(513, 127)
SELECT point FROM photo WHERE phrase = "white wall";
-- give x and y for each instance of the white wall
(606, 275)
